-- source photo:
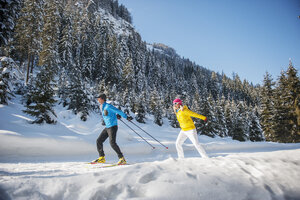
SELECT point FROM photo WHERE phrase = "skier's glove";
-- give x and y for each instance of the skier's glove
(105, 112)
(205, 120)
(103, 123)
(129, 118)
(118, 116)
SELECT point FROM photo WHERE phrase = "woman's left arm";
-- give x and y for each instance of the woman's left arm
(193, 114)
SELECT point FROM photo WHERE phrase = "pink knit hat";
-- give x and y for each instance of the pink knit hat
(177, 101)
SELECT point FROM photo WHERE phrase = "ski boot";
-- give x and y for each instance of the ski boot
(101, 159)
(122, 161)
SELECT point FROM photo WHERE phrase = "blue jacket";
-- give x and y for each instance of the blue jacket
(111, 118)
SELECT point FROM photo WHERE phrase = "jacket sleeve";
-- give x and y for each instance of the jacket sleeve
(115, 110)
(193, 114)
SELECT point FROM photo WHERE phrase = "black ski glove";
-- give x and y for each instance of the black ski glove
(129, 118)
(118, 116)
(103, 123)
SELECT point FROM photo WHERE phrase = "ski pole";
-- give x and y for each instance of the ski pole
(149, 134)
(137, 134)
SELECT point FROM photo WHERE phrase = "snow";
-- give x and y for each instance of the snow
(120, 27)
(49, 162)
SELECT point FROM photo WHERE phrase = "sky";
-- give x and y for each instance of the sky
(249, 38)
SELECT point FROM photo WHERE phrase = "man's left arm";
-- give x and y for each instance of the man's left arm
(117, 111)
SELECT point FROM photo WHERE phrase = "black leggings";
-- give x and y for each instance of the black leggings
(111, 133)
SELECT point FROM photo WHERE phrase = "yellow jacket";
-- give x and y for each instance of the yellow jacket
(184, 118)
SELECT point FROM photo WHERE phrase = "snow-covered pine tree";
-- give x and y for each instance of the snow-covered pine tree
(128, 74)
(133, 101)
(255, 131)
(196, 107)
(78, 96)
(153, 75)
(230, 116)
(39, 99)
(125, 97)
(293, 103)
(140, 110)
(49, 56)
(100, 63)
(5, 81)
(66, 55)
(156, 107)
(27, 39)
(225, 86)
(209, 128)
(141, 83)
(88, 44)
(282, 126)
(240, 126)
(9, 12)
(113, 62)
(267, 107)
(212, 86)
(172, 118)
(113, 93)
(220, 116)
(124, 13)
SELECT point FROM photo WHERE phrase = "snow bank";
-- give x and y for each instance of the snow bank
(271, 175)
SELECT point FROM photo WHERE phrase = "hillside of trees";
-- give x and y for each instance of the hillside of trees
(72, 50)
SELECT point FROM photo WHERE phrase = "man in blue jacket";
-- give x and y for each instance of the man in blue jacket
(110, 116)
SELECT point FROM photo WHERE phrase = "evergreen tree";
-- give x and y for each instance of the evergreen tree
(28, 33)
(39, 99)
(50, 36)
(141, 111)
(255, 131)
(128, 74)
(267, 106)
(5, 83)
(292, 102)
(113, 62)
(282, 126)
(126, 97)
(9, 11)
(239, 127)
(156, 108)
(229, 117)
(79, 98)
(231, 114)
(213, 86)
(196, 107)
(66, 56)
(220, 117)
(209, 128)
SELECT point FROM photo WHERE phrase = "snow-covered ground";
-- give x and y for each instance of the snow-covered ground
(49, 162)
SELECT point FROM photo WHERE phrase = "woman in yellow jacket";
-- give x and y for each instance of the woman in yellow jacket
(188, 129)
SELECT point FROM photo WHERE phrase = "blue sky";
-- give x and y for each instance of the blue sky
(241, 36)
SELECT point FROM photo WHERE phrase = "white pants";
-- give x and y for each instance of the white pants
(192, 135)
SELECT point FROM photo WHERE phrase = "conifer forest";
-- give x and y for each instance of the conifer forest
(68, 51)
